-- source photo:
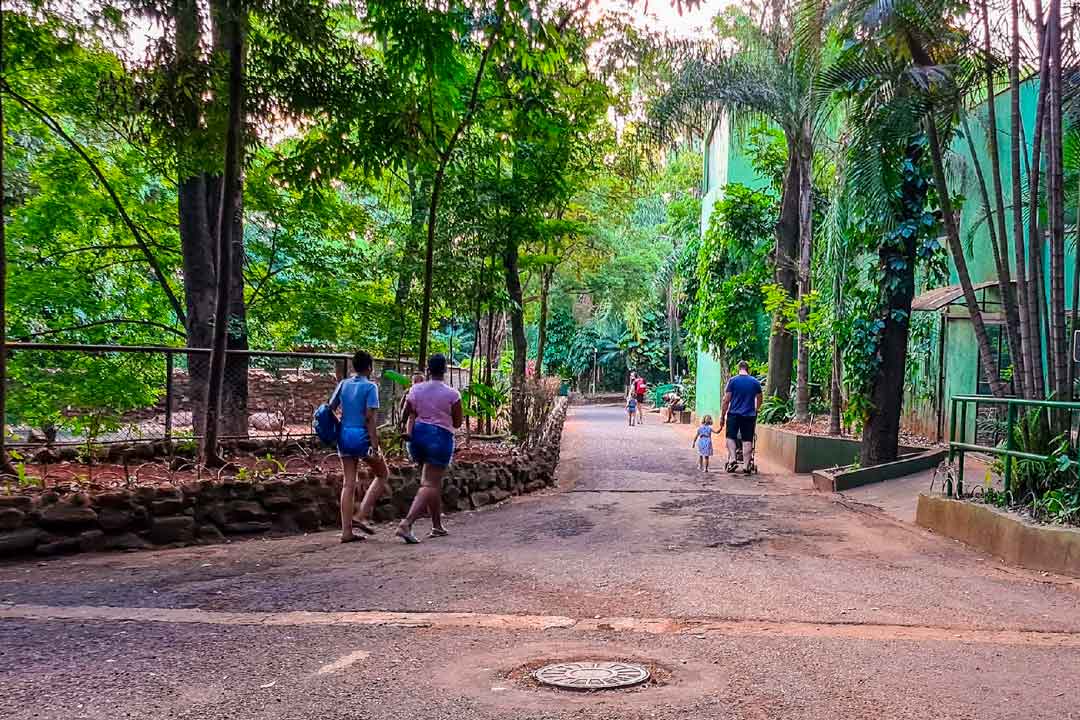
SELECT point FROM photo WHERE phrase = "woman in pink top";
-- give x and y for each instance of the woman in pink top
(434, 412)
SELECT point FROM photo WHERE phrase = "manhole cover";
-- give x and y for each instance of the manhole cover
(591, 675)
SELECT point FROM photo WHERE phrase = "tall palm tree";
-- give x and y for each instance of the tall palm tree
(770, 75)
(903, 74)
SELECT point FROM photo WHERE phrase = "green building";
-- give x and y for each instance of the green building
(945, 360)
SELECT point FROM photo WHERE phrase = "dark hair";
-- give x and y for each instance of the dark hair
(743, 365)
(436, 365)
(362, 362)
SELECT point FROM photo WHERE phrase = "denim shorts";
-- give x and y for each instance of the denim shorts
(431, 445)
(353, 442)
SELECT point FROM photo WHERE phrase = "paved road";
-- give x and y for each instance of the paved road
(747, 597)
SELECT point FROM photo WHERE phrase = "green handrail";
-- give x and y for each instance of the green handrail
(991, 400)
(958, 446)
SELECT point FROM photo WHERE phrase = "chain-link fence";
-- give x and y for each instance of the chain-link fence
(100, 394)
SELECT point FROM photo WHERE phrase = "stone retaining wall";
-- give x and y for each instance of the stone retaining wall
(205, 512)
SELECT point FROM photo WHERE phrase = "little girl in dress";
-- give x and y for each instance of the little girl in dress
(703, 442)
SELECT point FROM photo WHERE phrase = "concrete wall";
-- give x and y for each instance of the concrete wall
(725, 162)
(1039, 547)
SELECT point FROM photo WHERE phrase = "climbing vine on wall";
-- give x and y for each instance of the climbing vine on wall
(910, 234)
(728, 315)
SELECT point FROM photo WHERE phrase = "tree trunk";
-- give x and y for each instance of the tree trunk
(233, 186)
(1001, 260)
(196, 235)
(956, 248)
(234, 399)
(1019, 243)
(781, 341)
(518, 409)
(1036, 293)
(429, 262)
(1000, 238)
(5, 464)
(1056, 208)
(199, 284)
(835, 394)
(541, 335)
(671, 313)
(806, 244)
(489, 353)
(436, 193)
(419, 195)
(1075, 309)
(896, 259)
(881, 433)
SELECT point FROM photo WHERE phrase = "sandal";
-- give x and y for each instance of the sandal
(363, 527)
(407, 536)
(352, 538)
(438, 533)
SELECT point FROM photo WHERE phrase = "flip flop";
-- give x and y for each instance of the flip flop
(353, 538)
(363, 527)
(437, 533)
(407, 536)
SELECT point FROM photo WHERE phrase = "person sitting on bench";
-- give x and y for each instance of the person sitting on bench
(675, 404)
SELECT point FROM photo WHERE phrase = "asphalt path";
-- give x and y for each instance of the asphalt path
(746, 597)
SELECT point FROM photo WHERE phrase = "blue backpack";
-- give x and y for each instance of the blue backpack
(326, 425)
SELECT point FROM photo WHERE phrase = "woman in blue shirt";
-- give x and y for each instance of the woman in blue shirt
(358, 399)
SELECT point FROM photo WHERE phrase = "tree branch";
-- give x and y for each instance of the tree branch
(270, 270)
(89, 248)
(98, 323)
(55, 126)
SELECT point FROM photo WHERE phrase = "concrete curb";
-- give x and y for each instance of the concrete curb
(847, 478)
(1005, 536)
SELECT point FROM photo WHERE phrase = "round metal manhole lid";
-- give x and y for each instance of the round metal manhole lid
(591, 675)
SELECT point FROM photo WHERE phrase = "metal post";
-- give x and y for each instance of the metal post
(1009, 422)
(952, 425)
(168, 396)
(963, 438)
(595, 371)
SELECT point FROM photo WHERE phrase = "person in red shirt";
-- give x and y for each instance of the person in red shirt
(640, 387)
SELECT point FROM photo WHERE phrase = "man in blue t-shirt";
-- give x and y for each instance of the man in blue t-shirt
(742, 398)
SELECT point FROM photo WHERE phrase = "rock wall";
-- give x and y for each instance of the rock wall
(48, 523)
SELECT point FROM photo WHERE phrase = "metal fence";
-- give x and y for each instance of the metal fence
(75, 394)
(995, 430)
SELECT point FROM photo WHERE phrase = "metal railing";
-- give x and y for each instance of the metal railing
(958, 431)
(62, 394)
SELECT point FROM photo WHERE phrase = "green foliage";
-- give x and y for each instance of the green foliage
(732, 270)
(83, 394)
(485, 402)
(1061, 505)
(1033, 479)
(397, 378)
(561, 329)
(775, 410)
(908, 233)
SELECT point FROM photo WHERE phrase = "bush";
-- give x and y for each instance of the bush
(776, 411)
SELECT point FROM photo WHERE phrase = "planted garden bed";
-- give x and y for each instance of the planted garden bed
(179, 503)
(802, 452)
(852, 476)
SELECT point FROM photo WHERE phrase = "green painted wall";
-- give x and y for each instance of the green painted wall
(725, 162)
